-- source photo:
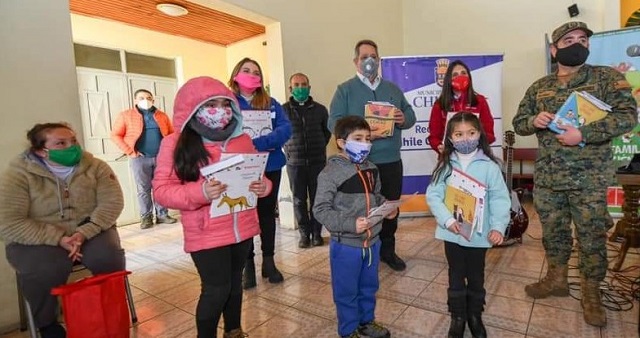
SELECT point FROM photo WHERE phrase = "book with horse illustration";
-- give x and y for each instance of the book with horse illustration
(237, 171)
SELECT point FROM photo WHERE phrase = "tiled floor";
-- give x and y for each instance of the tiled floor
(411, 303)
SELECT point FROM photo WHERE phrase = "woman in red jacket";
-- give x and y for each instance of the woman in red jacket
(458, 95)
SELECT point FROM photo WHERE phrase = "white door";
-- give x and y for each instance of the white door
(103, 95)
(163, 90)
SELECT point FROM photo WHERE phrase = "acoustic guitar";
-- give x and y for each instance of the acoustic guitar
(519, 218)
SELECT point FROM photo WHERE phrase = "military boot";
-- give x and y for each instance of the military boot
(594, 313)
(553, 284)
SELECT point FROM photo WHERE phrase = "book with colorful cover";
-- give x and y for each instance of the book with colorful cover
(380, 117)
(237, 176)
(256, 123)
(579, 109)
(464, 197)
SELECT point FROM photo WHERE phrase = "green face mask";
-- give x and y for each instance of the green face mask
(300, 94)
(67, 157)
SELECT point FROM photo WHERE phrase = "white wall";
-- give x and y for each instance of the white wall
(197, 58)
(39, 85)
(515, 28)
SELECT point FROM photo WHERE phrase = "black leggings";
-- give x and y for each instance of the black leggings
(267, 216)
(220, 271)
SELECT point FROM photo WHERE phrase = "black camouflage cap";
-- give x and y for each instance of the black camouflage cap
(568, 27)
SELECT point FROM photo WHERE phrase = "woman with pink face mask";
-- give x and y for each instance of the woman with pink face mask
(458, 95)
(247, 83)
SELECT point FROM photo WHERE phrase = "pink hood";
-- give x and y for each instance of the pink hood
(200, 230)
(196, 92)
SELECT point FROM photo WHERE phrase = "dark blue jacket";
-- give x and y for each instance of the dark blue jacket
(274, 141)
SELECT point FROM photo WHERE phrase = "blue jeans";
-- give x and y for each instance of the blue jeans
(143, 168)
(354, 279)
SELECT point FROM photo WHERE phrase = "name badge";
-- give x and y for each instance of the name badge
(273, 115)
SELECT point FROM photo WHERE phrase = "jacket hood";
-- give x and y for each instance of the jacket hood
(194, 93)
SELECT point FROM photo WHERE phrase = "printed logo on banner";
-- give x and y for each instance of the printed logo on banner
(441, 70)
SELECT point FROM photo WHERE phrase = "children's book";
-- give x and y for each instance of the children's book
(580, 108)
(464, 197)
(379, 115)
(256, 123)
(378, 213)
(237, 176)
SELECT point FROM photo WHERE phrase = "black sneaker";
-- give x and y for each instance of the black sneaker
(374, 330)
(146, 222)
(353, 334)
(394, 262)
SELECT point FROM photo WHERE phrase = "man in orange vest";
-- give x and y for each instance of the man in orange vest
(138, 133)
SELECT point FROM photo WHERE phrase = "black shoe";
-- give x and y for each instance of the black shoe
(394, 262)
(456, 329)
(54, 330)
(270, 271)
(477, 327)
(316, 239)
(249, 275)
(304, 242)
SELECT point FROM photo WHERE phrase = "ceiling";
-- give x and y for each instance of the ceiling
(202, 23)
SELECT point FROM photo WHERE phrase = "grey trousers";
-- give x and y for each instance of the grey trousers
(42, 267)
(143, 168)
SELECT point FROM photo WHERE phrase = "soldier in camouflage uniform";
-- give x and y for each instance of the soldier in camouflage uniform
(571, 181)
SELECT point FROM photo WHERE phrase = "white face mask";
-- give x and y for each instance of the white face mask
(145, 104)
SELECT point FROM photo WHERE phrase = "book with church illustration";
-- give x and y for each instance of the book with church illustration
(380, 117)
(579, 109)
(237, 171)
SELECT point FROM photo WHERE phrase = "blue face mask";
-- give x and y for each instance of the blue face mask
(357, 151)
(466, 146)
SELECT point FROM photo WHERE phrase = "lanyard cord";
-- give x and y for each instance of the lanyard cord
(367, 198)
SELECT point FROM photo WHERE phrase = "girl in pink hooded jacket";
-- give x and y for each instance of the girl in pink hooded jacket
(208, 123)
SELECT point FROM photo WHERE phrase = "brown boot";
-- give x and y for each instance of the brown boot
(553, 284)
(594, 313)
(237, 333)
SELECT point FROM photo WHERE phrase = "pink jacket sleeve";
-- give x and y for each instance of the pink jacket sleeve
(167, 188)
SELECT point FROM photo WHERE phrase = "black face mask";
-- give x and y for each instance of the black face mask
(573, 55)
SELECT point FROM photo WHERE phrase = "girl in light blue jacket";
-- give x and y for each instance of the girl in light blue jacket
(466, 149)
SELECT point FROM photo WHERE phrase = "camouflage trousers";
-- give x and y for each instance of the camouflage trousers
(587, 210)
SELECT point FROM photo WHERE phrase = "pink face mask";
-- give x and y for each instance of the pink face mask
(248, 82)
(214, 117)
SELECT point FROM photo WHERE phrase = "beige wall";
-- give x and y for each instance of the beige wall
(197, 58)
(39, 85)
(492, 26)
(318, 36)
